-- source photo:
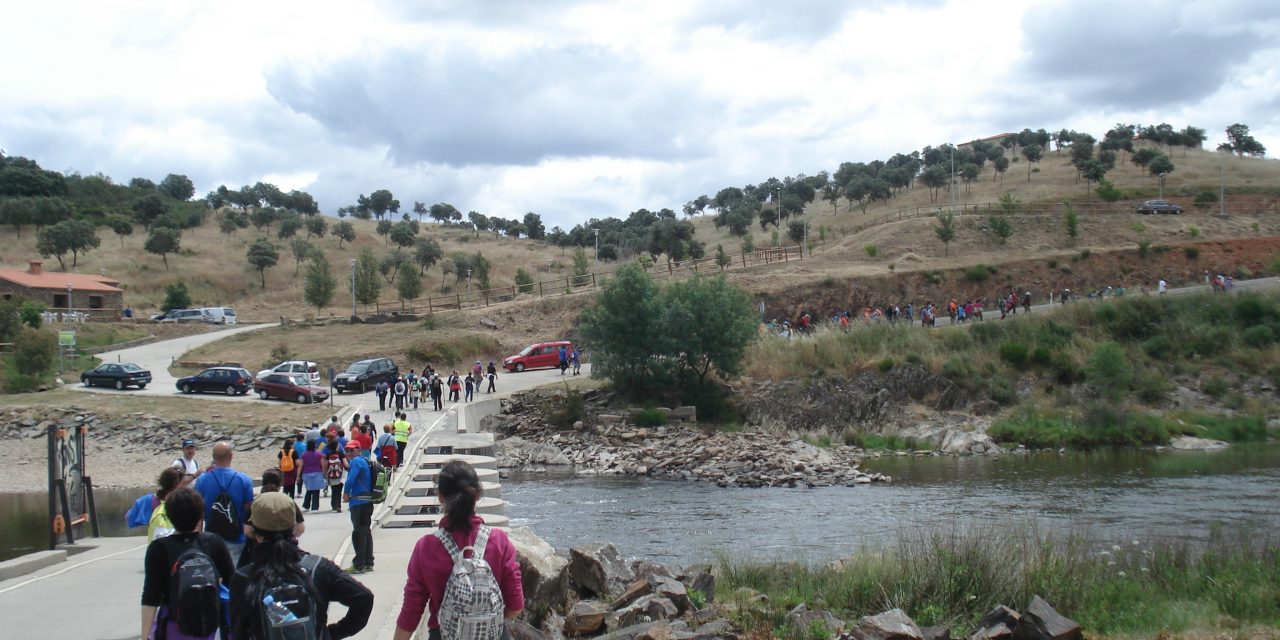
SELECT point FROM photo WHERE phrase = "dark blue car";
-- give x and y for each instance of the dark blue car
(116, 374)
(232, 381)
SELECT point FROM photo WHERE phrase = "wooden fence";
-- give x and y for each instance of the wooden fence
(567, 285)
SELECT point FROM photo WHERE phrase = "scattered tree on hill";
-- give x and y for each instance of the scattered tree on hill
(226, 225)
(1241, 143)
(262, 255)
(480, 267)
(263, 217)
(379, 203)
(1192, 138)
(1032, 153)
(319, 284)
(479, 222)
(344, 231)
(442, 212)
(524, 281)
(119, 225)
(148, 209)
(1160, 166)
(142, 184)
(1108, 191)
(391, 264)
(178, 187)
(290, 225)
(722, 258)
(403, 234)
(17, 212)
(625, 331)
(935, 178)
(1001, 165)
(946, 230)
(533, 226)
(163, 241)
(300, 249)
(969, 172)
(426, 252)
(22, 177)
(316, 226)
(420, 209)
(1093, 171)
(367, 285)
(1009, 203)
(69, 236)
(176, 296)
(1000, 228)
(581, 267)
(1071, 222)
(410, 285)
(1143, 157)
(384, 229)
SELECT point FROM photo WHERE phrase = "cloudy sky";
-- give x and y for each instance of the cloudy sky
(590, 109)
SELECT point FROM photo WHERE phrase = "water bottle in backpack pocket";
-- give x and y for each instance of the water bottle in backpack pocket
(288, 609)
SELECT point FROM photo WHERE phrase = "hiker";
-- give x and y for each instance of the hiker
(386, 448)
(271, 480)
(299, 448)
(1026, 301)
(455, 386)
(437, 394)
(143, 508)
(312, 477)
(492, 374)
(335, 473)
(187, 463)
(844, 322)
(434, 556)
(469, 387)
(400, 389)
(287, 463)
(301, 584)
(226, 494)
(1162, 287)
(564, 359)
(402, 430)
(358, 494)
(381, 389)
(187, 556)
(477, 372)
(575, 359)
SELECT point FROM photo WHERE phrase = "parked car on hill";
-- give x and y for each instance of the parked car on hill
(538, 354)
(116, 374)
(1159, 206)
(364, 375)
(218, 315)
(295, 367)
(181, 315)
(232, 381)
(289, 387)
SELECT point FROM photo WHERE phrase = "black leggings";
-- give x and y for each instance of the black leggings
(335, 496)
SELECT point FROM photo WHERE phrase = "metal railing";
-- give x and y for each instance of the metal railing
(567, 285)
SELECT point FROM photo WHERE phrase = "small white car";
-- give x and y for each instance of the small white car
(294, 368)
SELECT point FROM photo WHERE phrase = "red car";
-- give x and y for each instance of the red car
(538, 354)
(279, 385)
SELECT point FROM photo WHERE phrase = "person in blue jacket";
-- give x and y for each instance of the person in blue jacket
(358, 494)
(139, 514)
(221, 477)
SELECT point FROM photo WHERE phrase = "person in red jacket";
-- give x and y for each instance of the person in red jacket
(429, 565)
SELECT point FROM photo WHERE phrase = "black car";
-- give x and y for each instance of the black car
(232, 381)
(116, 374)
(1159, 206)
(364, 375)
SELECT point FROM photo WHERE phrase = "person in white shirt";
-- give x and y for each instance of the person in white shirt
(1162, 287)
(187, 463)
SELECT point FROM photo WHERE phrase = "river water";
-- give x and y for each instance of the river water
(1112, 494)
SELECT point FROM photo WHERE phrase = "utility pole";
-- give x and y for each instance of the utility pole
(1222, 191)
(353, 287)
(597, 251)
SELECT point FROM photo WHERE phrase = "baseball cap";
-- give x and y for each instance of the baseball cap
(352, 445)
(188, 443)
(273, 511)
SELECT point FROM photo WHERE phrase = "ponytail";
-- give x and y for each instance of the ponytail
(459, 489)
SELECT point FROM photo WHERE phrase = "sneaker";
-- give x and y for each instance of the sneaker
(354, 569)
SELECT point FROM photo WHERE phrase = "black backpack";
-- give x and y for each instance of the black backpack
(287, 610)
(193, 593)
(224, 518)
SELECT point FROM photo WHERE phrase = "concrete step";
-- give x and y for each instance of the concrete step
(429, 522)
(429, 475)
(436, 461)
(491, 490)
(485, 506)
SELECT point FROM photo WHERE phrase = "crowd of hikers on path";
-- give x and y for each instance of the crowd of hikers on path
(957, 310)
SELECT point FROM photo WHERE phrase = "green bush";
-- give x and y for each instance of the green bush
(30, 312)
(1243, 273)
(651, 417)
(1052, 263)
(1230, 428)
(1144, 248)
(1191, 252)
(914, 358)
(1002, 390)
(1016, 354)
(1085, 253)
(176, 296)
(563, 410)
(34, 352)
(959, 370)
(1215, 386)
(989, 332)
(1158, 347)
(977, 273)
(1041, 356)
(1152, 387)
(524, 281)
(885, 365)
(1258, 336)
(933, 277)
(1209, 340)
(871, 250)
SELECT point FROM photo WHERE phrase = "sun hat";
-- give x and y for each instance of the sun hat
(273, 511)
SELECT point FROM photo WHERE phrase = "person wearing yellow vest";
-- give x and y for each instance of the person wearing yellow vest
(402, 431)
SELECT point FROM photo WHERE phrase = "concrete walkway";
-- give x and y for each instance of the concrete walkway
(96, 593)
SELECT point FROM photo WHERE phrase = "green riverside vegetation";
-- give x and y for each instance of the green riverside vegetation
(952, 579)
(1085, 375)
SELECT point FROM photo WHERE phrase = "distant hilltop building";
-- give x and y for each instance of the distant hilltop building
(98, 297)
(995, 140)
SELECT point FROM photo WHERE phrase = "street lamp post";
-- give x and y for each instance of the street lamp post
(597, 251)
(468, 282)
(1162, 186)
(353, 287)
(68, 318)
(777, 205)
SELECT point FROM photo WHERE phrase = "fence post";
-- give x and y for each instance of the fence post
(459, 294)
(430, 308)
(744, 259)
(593, 281)
(786, 253)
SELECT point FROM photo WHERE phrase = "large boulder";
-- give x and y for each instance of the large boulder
(544, 574)
(893, 624)
(586, 616)
(998, 624)
(647, 609)
(936, 633)
(804, 619)
(521, 630)
(718, 628)
(704, 582)
(597, 568)
(962, 442)
(1041, 622)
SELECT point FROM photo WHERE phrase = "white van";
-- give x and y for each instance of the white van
(219, 315)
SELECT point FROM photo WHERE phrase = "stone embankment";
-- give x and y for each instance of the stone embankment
(128, 452)
(612, 444)
(591, 592)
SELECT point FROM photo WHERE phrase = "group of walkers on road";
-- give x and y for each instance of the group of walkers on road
(407, 391)
(208, 533)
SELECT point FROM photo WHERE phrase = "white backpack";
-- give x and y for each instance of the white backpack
(472, 606)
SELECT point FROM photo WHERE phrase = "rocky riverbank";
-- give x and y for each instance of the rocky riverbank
(612, 444)
(126, 453)
(591, 592)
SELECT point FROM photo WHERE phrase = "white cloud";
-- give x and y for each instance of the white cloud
(585, 109)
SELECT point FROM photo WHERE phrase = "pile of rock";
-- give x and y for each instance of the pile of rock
(142, 432)
(591, 591)
(611, 444)
(1039, 621)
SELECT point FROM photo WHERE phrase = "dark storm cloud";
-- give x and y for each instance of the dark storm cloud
(457, 107)
(1138, 55)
